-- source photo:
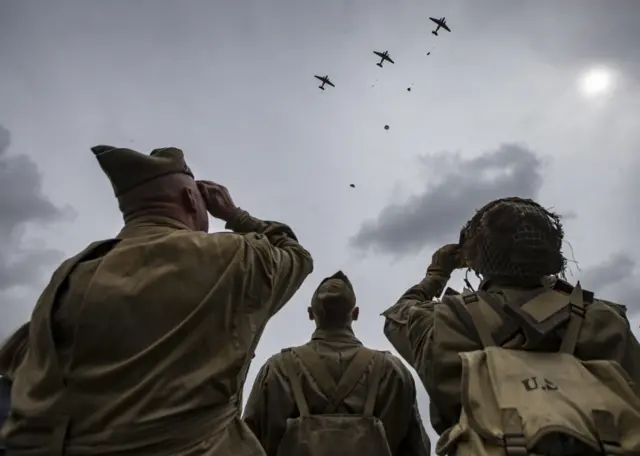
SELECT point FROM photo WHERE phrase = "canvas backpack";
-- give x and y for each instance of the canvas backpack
(331, 433)
(526, 402)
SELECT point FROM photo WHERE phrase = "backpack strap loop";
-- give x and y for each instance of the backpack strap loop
(514, 441)
(375, 377)
(576, 303)
(292, 372)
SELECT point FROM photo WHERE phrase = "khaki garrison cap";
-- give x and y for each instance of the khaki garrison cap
(127, 169)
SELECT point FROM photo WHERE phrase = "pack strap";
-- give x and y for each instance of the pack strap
(607, 433)
(375, 378)
(533, 330)
(514, 441)
(577, 309)
(293, 374)
(467, 307)
(318, 370)
(450, 292)
(350, 378)
(510, 326)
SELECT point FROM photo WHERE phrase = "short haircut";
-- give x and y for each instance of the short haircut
(333, 308)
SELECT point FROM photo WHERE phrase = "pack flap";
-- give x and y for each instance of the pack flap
(514, 397)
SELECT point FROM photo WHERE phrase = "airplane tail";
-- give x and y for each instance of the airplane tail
(435, 33)
(321, 88)
(379, 64)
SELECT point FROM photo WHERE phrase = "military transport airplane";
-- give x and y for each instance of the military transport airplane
(383, 56)
(442, 23)
(325, 80)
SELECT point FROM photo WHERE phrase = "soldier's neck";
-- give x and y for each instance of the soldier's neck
(512, 282)
(159, 212)
(335, 328)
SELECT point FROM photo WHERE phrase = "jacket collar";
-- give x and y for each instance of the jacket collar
(337, 334)
(145, 226)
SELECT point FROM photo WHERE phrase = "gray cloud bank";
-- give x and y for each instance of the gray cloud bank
(22, 203)
(614, 279)
(457, 188)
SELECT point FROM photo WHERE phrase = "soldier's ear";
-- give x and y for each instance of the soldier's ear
(355, 313)
(312, 317)
(189, 200)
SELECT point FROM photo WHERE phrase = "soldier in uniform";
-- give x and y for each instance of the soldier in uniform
(335, 371)
(515, 246)
(140, 344)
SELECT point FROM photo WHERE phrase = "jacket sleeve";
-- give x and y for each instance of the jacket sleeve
(269, 406)
(409, 328)
(412, 309)
(13, 350)
(416, 441)
(606, 334)
(281, 263)
(631, 361)
(255, 411)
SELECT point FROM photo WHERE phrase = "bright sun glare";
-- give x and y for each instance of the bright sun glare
(596, 81)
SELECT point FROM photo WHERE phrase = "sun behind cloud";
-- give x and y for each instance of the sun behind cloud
(596, 81)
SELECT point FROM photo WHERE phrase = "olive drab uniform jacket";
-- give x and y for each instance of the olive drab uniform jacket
(436, 336)
(271, 402)
(140, 345)
(13, 350)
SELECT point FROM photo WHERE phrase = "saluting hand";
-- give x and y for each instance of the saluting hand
(218, 200)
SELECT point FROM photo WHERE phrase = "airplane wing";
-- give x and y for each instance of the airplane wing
(389, 59)
(330, 83)
(446, 27)
(318, 77)
(437, 21)
(379, 54)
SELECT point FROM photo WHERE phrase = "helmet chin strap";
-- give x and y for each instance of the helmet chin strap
(466, 280)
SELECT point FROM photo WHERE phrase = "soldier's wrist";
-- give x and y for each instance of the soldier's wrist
(243, 222)
(438, 272)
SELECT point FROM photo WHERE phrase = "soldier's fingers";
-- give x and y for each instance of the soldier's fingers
(211, 183)
(203, 188)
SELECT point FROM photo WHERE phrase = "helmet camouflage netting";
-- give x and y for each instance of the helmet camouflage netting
(514, 237)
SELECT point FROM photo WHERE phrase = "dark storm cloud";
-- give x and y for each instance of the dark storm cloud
(436, 215)
(614, 270)
(570, 32)
(614, 279)
(21, 203)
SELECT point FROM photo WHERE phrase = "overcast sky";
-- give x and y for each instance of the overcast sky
(496, 110)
